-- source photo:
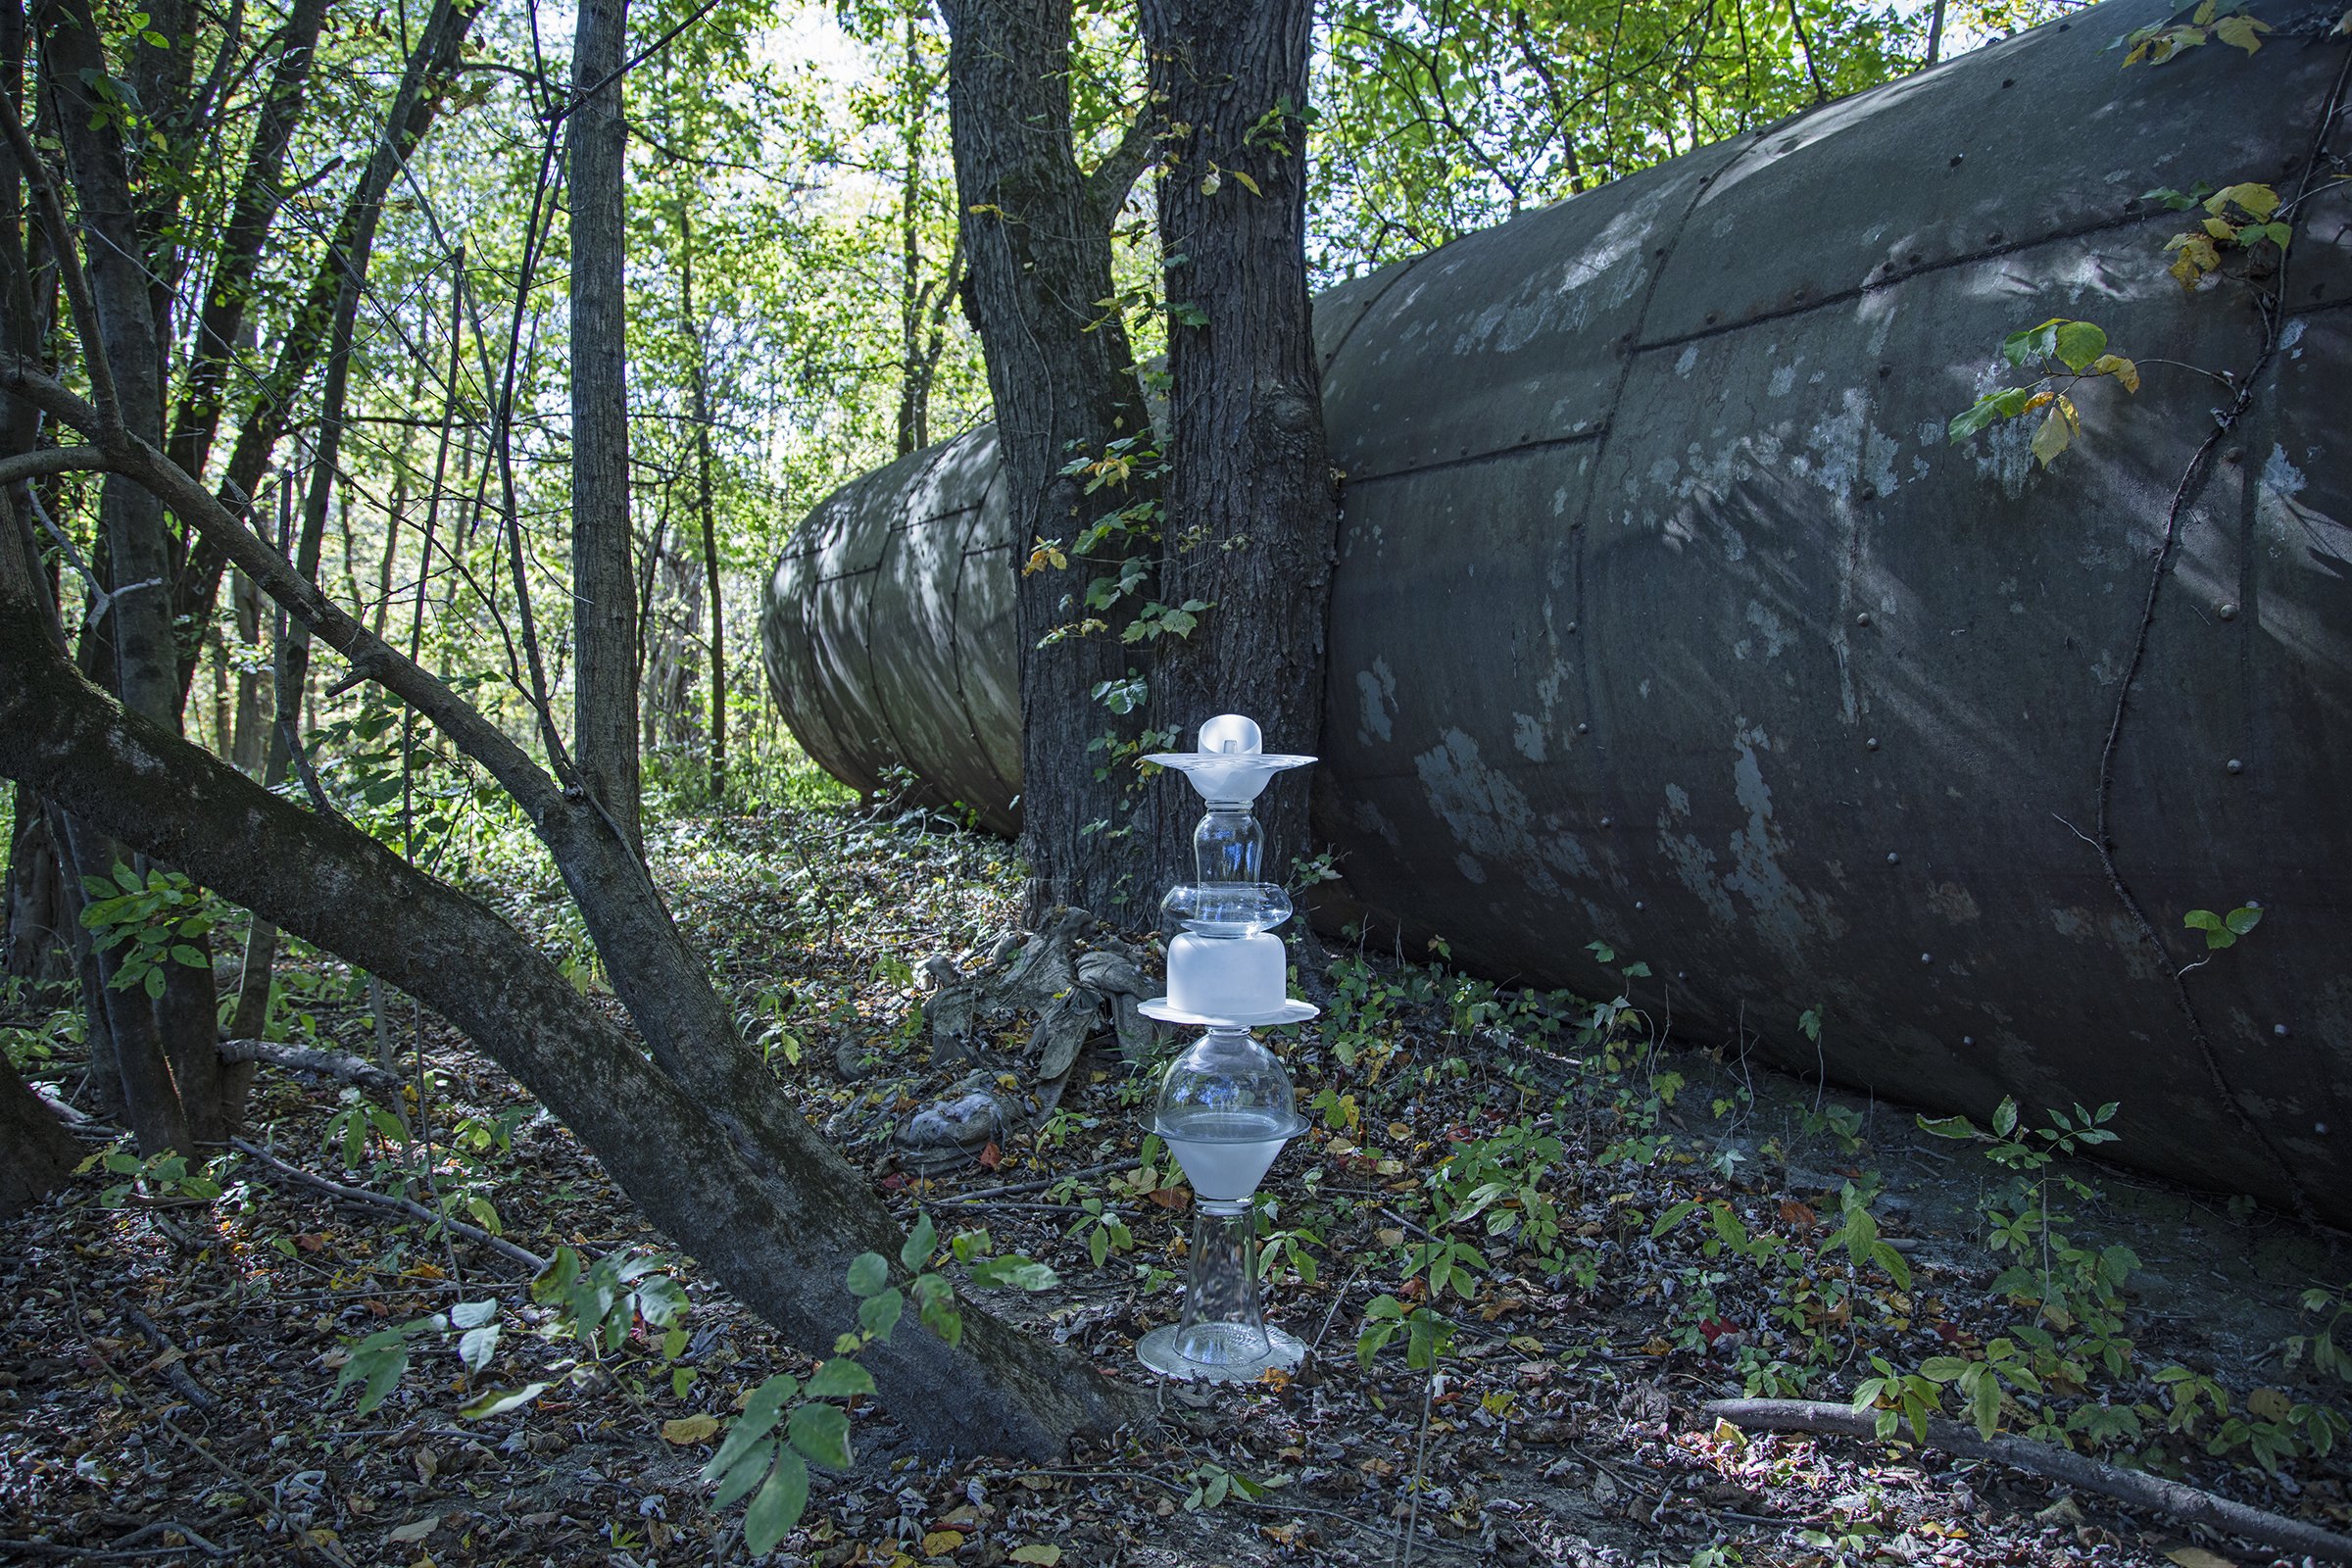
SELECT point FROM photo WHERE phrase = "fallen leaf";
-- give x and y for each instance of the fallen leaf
(311, 1242)
(410, 1533)
(2198, 1558)
(991, 1156)
(690, 1428)
(1175, 1198)
(2270, 1403)
(1044, 1555)
(939, 1542)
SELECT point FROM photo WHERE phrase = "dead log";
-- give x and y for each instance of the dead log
(2186, 1503)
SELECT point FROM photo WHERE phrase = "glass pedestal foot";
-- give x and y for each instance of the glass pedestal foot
(1218, 1353)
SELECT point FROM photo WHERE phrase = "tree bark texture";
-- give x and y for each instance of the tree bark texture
(697, 1136)
(603, 585)
(36, 1152)
(1252, 516)
(1037, 246)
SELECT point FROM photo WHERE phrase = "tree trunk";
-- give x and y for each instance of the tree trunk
(696, 1135)
(1037, 242)
(1252, 521)
(39, 925)
(604, 602)
(166, 1048)
(703, 504)
(36, 1152)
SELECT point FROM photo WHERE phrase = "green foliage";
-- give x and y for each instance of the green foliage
(2062, 353)
(2224, 930)
(156, 921)
(1427, 1336)
(2245, 216)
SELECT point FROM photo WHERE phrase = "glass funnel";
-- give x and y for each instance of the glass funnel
(1225, 1110)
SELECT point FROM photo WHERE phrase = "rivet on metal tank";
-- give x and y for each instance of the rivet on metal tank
(1872, 743)
(1863, 620)
(1608, 821)
(1584, 728)
(1968, 1040)
(1893, 859)
(1926, 957)
(2236, 766)
(2280, 1030)
(1636, 906)
(2228, 609)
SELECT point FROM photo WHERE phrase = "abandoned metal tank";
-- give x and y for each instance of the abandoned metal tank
(1667, 616)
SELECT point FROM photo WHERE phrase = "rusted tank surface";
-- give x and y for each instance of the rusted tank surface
(1667, 617)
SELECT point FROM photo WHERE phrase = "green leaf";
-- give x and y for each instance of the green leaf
(869, 1273)
(1014, 1270)
(779, 1505)
(2077, 343)
(2244, 920)
(920, 1244)
(1942, 1368)
(822, 1433)
(1666, 1221)
(2202, 921)
(1949, 1126)
(759, 1411)
(840, 1377)
(474, 1314)
(475, 1347)
(879, 1314)
(499, 1401)
(2004, 1117)
(1986, 1408)
(744, 1471)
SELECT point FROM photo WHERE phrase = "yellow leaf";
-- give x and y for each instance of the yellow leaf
(2204, 15)
(689, 1428)
(1044, 1556)
(2260, 200)
(939, 1542)
(2052, 438)
(2344, 25)
(1247, 183)
(2121, 368)
(2220, 229)
(410, 1533)
(2242, 31)
(1210, 181)
(2037, 400)
(2270, 1403)
(2198, 1558)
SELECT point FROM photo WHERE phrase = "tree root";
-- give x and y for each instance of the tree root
(2189, 1504)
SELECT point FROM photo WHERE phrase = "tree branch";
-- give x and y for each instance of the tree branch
(1115, 175)
(2189, 1504)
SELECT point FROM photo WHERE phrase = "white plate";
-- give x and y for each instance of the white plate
(1290, 1012)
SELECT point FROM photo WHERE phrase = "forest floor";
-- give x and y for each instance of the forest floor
(1581, 1232)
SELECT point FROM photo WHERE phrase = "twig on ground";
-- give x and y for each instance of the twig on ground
(1039, 1183)
(2189, 1504)
(360, 1194)
(128, 1547)
(179, 1376)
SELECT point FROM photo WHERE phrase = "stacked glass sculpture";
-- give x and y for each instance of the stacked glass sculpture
(1225, 1107)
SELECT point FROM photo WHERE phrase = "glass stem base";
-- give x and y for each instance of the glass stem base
(1223, 1336)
